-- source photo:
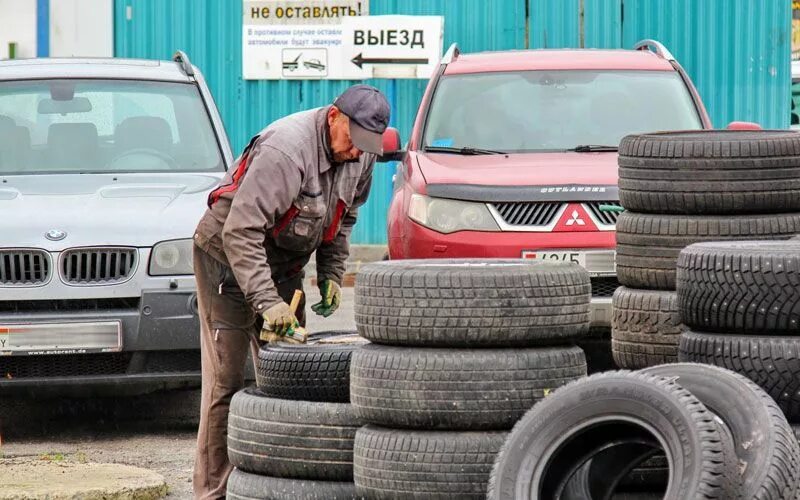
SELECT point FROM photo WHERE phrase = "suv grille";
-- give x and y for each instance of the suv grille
(24, 267)
(528, 213)
(93, 266)
(606, 218)
(12, 367)
(604, 287)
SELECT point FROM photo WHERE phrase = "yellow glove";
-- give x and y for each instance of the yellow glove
(331, 298)
(280, 319)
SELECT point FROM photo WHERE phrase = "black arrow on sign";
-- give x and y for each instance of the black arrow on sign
(359, 60)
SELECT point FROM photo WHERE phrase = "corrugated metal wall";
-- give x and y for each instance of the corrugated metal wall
(210, 32)
(736, 51)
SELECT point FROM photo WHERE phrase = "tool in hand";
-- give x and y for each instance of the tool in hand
(296, 334)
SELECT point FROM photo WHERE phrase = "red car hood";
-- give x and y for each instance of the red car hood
(529, 169)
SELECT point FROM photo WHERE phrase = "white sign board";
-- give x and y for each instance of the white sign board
(394, 46)
(298, 39)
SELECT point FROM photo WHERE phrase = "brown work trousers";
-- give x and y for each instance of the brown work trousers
(228, 329)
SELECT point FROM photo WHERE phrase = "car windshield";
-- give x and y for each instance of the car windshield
(95, 126)
(555, 110)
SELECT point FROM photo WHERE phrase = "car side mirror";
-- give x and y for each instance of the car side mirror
(391, 146)
(743, 126)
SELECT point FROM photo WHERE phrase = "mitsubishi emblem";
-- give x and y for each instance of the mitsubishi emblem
(55, 235)
(576, 219)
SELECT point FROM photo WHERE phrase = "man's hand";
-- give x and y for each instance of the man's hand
(280, 319)
(331, 298)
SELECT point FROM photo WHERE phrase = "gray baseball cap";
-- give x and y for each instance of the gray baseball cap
(368, 111)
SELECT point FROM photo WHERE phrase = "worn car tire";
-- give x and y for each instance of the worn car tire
(771, 362)
(583, 416)
(404, 464)
(457, 389)
(245, 486)
(741, 287)
(318, 370)
(710, 172)
(471, 303)
(648, 245)
(291, 439)
(645, 327)
(767, 449)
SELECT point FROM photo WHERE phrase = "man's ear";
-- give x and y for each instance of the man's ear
(333, 114)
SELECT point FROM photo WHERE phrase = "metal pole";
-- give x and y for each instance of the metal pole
(12, 50)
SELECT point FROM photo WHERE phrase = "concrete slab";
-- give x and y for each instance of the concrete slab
(40, 479)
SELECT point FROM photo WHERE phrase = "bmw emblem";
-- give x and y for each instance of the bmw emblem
(55, 235)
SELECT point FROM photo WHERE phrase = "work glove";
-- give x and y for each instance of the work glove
(280, 319)
(331, 298)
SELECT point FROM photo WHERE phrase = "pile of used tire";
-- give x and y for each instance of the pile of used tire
(741, 301)
(459, 351)
(720, 435)
(680, 188)
(291, 437)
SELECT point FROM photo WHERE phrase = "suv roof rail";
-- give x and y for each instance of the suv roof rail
(181, 58)
(451, 54)
(657, 47)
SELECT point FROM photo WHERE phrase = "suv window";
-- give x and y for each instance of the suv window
(555, 110)
(106, 126)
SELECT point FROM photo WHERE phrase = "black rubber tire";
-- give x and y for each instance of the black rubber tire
(457, 389)
(394, 464)
(645, 327)
(648, 245)
(291, 439)
(316, 371)
(771, 362)
(750, 287)
(596, 347)
(710, 172)
(767, 449)
(471, 303)
(650, 475)
(245, 486)
(589, 413)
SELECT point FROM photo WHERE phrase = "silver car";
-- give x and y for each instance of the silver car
(105, 167)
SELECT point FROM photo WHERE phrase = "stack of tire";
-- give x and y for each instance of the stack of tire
(460, 350)
(680, 188)
(291, 437)
(722, 440)
(741, 302)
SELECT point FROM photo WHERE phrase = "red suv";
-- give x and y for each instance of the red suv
(513, 154)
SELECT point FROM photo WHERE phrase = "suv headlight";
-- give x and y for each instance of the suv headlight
(171, 258)
(449, 216)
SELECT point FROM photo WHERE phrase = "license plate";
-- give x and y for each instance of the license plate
(556, 256)
(60, 338)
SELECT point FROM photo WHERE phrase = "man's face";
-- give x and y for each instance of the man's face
(341, 145)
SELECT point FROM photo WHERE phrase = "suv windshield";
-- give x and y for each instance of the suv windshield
(555, 110)
(94, 126)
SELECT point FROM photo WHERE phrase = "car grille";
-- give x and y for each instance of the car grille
(79, 305)
(606, 218)
(604, 287)
(94, 266)
(17, 367)
(528, 213)
(172, 361)
(24, 267)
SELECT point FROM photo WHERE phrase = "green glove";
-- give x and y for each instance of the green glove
(280, 319)
(331, 298)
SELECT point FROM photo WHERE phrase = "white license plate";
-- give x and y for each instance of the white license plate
(556, 256)
(60, 338)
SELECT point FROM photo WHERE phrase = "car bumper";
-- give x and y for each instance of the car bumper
(422, 243)
(158, 344)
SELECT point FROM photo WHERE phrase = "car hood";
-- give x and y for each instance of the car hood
(529, 169)
(101, 209)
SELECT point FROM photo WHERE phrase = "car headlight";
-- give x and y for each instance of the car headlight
(171, 258)
(449, 216)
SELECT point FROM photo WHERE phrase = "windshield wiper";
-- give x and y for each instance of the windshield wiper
(593, 148)
(463, 151)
